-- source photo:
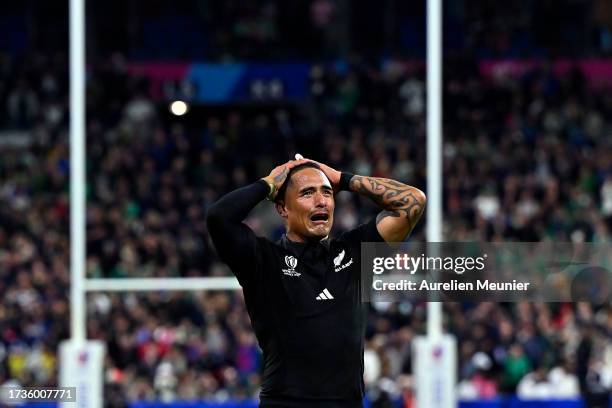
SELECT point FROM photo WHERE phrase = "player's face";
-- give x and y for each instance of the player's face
(309, 205)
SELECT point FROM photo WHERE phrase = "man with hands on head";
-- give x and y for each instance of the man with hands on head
(302, 293)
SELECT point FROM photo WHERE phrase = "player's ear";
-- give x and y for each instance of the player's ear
(280, 208)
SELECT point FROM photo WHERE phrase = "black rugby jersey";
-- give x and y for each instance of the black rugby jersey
(304, 303)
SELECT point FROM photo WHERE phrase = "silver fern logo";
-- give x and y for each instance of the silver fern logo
(339, 258)
(338, 261)
(291, 262)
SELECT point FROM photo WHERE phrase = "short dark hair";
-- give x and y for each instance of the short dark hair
(280, 196)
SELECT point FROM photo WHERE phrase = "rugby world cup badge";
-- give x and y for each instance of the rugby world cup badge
(291, 262)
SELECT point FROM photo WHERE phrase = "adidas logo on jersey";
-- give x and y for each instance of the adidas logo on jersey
(325, 295)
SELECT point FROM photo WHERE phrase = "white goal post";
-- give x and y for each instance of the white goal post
(81, 361)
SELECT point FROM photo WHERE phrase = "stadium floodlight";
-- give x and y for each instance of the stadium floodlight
(179, 108)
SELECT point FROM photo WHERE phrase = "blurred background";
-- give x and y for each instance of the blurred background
(189, 99)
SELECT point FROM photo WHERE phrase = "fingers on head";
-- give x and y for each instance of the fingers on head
(293, 163)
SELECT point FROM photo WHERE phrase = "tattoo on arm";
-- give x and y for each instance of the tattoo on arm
(396, 199)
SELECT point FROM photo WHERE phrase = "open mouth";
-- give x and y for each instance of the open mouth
(319, 218)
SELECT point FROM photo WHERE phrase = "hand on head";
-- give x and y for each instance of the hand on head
(278, 176)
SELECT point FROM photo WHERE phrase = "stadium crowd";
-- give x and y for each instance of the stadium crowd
(525, 159)
(297, 29)
(264, 29)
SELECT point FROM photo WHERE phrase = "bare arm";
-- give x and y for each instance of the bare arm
(402, 205)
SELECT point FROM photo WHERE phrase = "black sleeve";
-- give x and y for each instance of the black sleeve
(235, 242)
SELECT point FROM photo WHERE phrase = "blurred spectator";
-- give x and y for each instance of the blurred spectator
(22, 105)
(517, 365)
(564, 384)
(535, 386)
(480, 385)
